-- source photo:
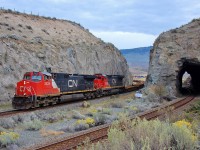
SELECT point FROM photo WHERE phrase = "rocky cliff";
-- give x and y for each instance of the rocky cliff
(175, 52)
(31, 43)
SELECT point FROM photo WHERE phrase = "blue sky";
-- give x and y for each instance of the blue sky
(125, 23)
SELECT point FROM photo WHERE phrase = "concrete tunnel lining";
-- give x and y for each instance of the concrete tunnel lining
(193, 68)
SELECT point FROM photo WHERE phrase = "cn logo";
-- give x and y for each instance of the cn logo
(114, 81)
(21, 88)
(72, 83)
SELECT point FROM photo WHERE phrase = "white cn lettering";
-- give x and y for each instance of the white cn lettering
(72, 83)
(114, 81)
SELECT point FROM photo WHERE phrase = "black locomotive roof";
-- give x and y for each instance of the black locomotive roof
(75, 75)
(119, 76)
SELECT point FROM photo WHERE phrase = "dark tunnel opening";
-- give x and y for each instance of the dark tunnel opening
(190, 85)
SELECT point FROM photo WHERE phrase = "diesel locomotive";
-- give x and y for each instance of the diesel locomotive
(44, 88)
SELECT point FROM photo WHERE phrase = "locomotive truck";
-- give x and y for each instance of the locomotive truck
(44, 88)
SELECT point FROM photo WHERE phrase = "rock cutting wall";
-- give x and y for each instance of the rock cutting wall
(175, 52)
(31, 43)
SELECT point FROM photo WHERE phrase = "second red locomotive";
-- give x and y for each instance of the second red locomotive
(43, 88)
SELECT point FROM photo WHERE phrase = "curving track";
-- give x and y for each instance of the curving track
(100, 132)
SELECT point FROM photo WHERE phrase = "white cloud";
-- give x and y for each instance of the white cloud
(126, 40)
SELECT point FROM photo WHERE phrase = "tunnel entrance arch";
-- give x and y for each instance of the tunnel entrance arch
(193, 69)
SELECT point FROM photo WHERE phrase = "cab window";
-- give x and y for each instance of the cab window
(47, 77)
(27, 77)
(36, 78)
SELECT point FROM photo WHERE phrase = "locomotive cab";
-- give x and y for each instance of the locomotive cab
(36, 83)
(34, 86)
(101, 82)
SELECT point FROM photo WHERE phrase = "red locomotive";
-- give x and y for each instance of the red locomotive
(43, 88)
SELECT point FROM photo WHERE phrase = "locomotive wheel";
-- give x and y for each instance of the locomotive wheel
(93, 95)
(86, 95)
(99, 93)
(89, 95)
(58, 101)
(46, 103)
(96, 94)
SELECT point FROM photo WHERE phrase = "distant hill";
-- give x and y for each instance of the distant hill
(138, 59)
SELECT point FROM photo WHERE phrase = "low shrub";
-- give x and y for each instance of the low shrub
(2, 129)
(107, 111)
(7, 123)
(129, 100)
(69, 128)
(54, 117)
(77, 115)
(92, 111)
(81, 126)
(88, 121)
(195, 108)
(134, 108)
(117, 104)
(33, 125)
(7, 138)
(100, 119)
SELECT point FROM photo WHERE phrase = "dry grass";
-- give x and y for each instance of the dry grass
(46, 133)
(5, 106)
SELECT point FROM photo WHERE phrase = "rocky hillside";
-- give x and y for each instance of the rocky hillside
(174, 53)
(31, 43)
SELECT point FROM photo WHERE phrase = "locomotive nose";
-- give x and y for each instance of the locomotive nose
(23, 88)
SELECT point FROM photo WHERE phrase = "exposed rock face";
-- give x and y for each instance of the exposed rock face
(175, 52)
(31, 43)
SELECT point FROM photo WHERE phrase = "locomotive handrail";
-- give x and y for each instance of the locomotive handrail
(33, 90)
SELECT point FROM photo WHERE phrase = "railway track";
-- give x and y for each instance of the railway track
(9, 112)
(14, 112)
(100, 132)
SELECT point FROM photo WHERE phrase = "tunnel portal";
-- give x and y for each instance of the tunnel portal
(193, 69)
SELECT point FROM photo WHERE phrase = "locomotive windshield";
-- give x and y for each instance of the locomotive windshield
(36, 78)
(33, 78)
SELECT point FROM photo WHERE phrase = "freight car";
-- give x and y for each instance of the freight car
(43, 88)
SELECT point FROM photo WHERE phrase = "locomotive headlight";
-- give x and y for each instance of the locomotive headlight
(24, 94)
